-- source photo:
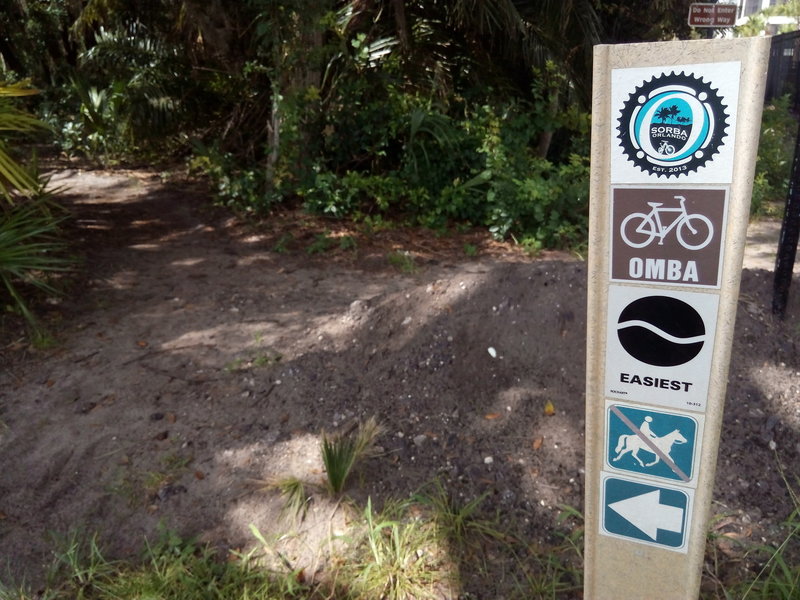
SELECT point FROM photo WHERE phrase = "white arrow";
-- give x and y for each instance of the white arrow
(646, 513)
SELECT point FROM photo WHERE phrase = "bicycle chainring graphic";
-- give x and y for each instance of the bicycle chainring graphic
(672, 125)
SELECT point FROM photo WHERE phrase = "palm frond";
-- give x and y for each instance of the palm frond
(20, 88)
(29, 251)
(13, 177)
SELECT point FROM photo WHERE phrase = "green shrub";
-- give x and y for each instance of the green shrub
(352, 194)
(775, 154)
(244, 189)
(129, 96)
(393, 154)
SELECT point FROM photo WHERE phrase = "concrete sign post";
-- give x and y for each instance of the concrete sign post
(675, 130)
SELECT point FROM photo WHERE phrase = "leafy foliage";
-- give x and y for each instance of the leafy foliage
(470, 111)
(757, 22)
(626, 21)
(126, 96)
(30, 248)
(775, 151)
(29, 251)
(14, 179)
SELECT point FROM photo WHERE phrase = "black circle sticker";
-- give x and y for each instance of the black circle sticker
(672, 125)
(661, 331)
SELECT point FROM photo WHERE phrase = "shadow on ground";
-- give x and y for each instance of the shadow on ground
(196, 359)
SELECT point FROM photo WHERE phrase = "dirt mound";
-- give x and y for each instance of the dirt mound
(197, 359)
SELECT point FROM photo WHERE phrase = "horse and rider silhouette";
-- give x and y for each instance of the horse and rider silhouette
(632, 443)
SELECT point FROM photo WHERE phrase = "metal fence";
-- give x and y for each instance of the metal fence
(784, 68)
(783, 78)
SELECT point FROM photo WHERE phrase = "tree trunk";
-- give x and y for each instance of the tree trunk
(402, 25)
(274, 132)
(10, 58)
(546, 136)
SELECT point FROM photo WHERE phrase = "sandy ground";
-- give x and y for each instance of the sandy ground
(762, 244)
(196, 355)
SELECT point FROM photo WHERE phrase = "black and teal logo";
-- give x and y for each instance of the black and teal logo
(672, 125)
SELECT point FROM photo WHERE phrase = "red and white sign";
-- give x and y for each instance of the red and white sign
(704, 14)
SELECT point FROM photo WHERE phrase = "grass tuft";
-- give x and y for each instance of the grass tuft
(340, 453)
(172, 568)
(398, 557)
(779, 575)
(458, 523)
(403, 261)
(779, 578)
(295, 493)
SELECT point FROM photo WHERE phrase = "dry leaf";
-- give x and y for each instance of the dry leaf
(492, 416)
(171, 418)
(549, 409)
(50, 383)
(142, 344)
(735, 535)
(537, 443)
(199, 475)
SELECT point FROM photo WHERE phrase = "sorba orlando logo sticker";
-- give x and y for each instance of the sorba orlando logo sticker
(672, 125)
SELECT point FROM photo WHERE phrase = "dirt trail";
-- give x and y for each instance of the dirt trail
(194, 359)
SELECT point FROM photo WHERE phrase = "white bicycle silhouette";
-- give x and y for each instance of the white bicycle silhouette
(666, 148)
(694, 231)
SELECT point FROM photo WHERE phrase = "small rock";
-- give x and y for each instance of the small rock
(492, 352)
(358, 306)
(772, 421)
(488, 460)
(170, 490)
(420, 439)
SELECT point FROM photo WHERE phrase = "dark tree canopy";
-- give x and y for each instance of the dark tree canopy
(439, 110)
